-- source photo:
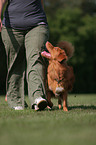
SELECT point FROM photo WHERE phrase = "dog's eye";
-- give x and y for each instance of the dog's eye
(55, 48)
(63, 61)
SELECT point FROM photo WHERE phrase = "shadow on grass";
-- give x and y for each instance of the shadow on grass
(81, 107)
(84, 107)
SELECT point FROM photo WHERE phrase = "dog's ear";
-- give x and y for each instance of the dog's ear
(62, 56)
(49, 45)
(46, 54)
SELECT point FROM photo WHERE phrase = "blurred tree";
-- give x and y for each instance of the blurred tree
(3, 65)
(3, 68)
(64, 25)
(88, 6)
(74, 21)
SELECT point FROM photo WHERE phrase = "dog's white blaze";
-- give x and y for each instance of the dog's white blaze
(59, 90)
(50, 88)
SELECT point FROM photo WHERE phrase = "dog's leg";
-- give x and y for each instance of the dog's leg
(65, 101)
(49, 96)
(59, 103)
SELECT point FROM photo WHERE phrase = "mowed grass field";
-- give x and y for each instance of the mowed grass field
(55, 127)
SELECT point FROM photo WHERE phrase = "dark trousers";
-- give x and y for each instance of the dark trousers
(23, 48)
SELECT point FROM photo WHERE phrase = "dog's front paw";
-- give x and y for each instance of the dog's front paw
(60, 106)
(65, 109)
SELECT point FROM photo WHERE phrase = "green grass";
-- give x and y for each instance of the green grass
(55, 127)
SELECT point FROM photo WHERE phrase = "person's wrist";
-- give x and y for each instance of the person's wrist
(0, 19)
(0, 24)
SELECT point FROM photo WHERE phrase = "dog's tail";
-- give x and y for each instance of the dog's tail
(68, 47)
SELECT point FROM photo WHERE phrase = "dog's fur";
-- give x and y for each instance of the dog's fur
(60, 76)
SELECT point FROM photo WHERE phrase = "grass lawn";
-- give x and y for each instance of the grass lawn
(55, 127)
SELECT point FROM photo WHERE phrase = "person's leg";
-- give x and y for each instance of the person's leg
(14, 45)
(35, 41)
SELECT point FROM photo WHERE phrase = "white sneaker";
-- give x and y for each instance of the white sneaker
(41, 103)
(36, 107)
(18, 108)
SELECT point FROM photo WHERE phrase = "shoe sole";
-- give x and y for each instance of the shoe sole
(18, 108)
(42, 105)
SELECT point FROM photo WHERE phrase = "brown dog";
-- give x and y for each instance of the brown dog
(60, 76)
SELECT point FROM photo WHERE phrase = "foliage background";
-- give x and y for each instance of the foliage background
(73, 21)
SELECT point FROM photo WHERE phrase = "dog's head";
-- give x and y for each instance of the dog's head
(55, 53)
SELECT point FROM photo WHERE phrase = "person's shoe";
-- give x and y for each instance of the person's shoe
(40, 104)
(36, 108)
(18, 108)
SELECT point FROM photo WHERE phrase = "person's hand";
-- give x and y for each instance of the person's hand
(0, 24)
